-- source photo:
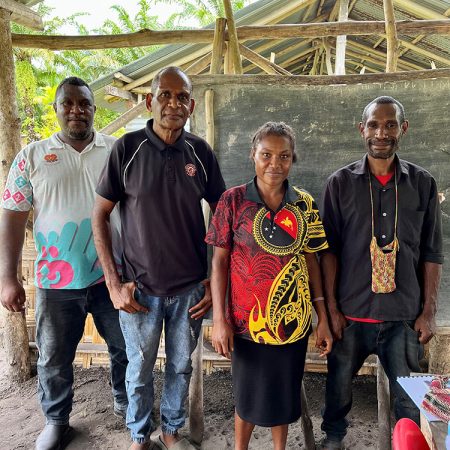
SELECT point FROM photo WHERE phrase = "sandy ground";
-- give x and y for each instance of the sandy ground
(95, 426)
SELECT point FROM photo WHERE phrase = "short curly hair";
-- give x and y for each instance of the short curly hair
(280, 129)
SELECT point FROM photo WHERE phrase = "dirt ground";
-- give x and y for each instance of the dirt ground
(95, 426)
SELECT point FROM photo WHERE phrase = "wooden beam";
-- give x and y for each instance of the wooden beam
(125, 118)
(262, 62)
(120, 93)
(21, 14)
(232, 38)
(15, 335)
(320, 80)
(244, 33)
(424, 52)
(391, 36)
(199, 65)
(120, 76)
(414, 41)
(218, 45)
(341, 40)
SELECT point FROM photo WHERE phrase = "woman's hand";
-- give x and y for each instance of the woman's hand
(222, 338)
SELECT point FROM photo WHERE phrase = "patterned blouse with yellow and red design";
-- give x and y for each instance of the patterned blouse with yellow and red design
(270, 301)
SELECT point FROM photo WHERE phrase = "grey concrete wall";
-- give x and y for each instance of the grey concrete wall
(325, 119)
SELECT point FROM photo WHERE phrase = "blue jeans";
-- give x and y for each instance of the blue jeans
(398, 349)
(142, 332)
(60, 320)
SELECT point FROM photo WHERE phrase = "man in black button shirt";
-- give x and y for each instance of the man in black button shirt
(159, 175)
(383, 224)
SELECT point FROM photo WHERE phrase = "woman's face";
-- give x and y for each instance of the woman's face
(273, 160)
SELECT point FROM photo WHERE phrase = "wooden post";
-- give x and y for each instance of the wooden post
(306, 422)
(439, 362)
(196, 416)
(15, 336)
(232, 37)
(391, 36)
(327, 47)
(341, 41)
(227, 60)
(218, 46)
(384, 409)
(196, 413)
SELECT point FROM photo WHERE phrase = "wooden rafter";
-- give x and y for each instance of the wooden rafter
(262, 62)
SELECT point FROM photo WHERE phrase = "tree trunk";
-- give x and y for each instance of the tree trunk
(15, 336)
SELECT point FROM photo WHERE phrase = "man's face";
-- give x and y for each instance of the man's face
(382, 130)
(74, 107)
(171, 104)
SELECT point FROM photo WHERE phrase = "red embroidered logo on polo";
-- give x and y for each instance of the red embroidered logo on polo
(190, 169)
(51, 157)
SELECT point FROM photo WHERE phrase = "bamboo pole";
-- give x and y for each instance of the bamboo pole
(15, 335)
(244, 33)
(341, 40)
(218, 45)
(232, 37)
(391, 36)
(261, 62)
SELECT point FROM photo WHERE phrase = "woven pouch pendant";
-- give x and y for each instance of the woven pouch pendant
(383, 266)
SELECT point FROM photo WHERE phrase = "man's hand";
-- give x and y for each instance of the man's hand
(337, 321)
(204, 305)
(122, 297)
(12, 295)
(222, 339)
(324, 340)
(425, 325)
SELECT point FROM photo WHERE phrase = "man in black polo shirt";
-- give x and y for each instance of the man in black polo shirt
(159, 175)
(383, 224)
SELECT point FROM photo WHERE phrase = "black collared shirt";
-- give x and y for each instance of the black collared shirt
(346, 214)
(159, 188)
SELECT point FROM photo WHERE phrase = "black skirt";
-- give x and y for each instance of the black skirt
(267, 381)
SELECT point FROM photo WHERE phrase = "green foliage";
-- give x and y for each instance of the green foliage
(39, 71)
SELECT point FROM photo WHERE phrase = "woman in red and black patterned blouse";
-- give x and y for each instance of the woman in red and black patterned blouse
(265, 235)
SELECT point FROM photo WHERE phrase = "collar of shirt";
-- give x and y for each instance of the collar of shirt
(56, 143)
(159, 144)
(362, 167)
(252, 194)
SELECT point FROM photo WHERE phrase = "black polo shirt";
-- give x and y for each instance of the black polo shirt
(346, 216)
(159, 188)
